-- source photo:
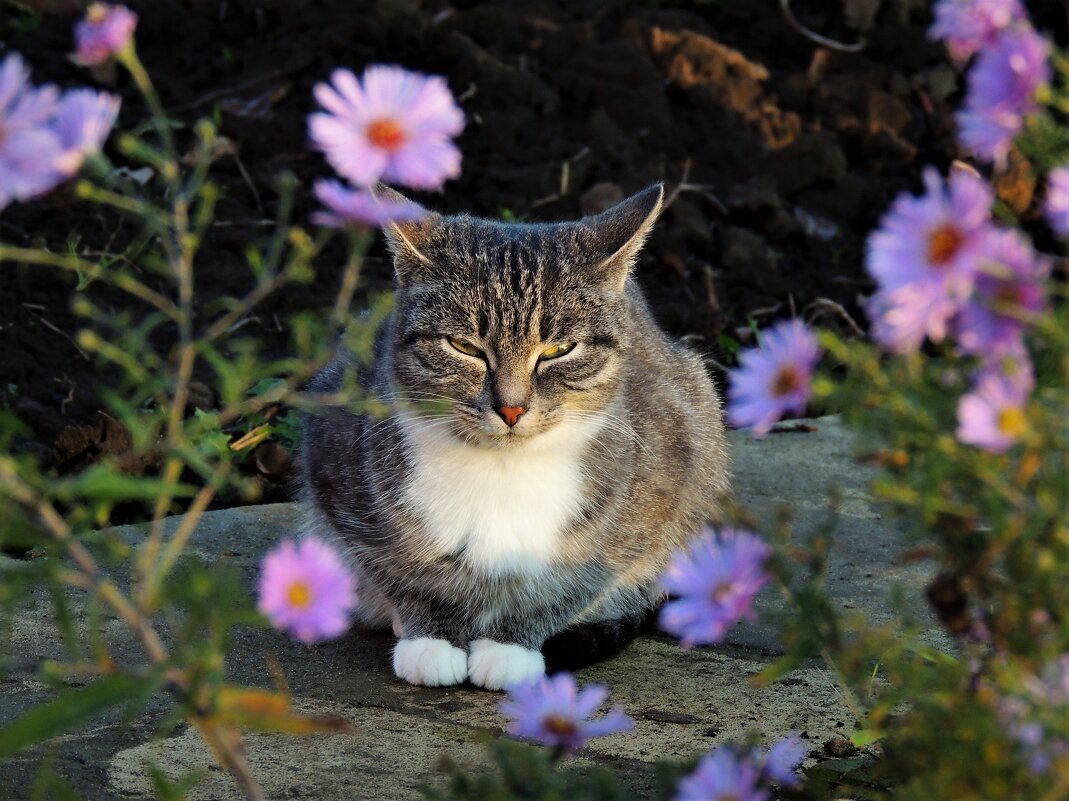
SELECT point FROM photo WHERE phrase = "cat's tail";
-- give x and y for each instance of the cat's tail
(584, 644)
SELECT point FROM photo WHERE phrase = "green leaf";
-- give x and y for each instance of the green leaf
(103, 483)
(72, 709)
(866, 737)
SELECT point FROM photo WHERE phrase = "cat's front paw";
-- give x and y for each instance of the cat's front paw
(496, 665)
(430, 662)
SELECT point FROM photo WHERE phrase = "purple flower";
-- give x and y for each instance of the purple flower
(1056, 205)
(968, 26)
(28, 146)
(392, 125)
(774, 378)
(307, 589)
(783, 759)
(554, 712)
(992, 416)
(1009, 293)
(104, 32)
(716, 582)
(924, 258)
(1001, 92)
(722, 776)
(83, 120)
(359, 207)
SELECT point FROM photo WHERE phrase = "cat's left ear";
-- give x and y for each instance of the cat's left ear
(622, 230)
(407, 239)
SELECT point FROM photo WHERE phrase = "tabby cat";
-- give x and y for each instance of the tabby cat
(546, 449)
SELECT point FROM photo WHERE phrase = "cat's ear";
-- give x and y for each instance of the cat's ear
(622, 230)
(407, 239)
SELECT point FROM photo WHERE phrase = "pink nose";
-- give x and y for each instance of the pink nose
(511, 414)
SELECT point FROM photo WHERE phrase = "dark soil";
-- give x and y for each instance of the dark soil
(790, 151)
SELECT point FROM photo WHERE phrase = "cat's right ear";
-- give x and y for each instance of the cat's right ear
(407, 239)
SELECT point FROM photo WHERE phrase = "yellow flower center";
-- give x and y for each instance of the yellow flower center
(96, 13)
(299, 595)
(386, 134)
(721, 592)
(787, 380)
(1011, 422)
(560, 726)
(943, 244)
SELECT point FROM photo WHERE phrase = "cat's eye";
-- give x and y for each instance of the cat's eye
(557, 351)
(466, 347)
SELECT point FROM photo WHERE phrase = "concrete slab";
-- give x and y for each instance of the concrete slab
(684, 702)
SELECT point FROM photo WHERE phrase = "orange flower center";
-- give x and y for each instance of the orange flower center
(386, 134)
(721, 592)
(944, 244)
(1008, 295)
(299, 595)
(560, 726)
(1011, 422)
(96, 13)
(787, 380)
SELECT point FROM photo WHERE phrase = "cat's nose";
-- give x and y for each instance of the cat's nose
(511, 414)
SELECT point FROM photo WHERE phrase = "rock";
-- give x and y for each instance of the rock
(745, 250)
(600, 197)
(839, 747)
(812, 158)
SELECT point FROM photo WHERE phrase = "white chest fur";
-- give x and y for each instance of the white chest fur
(503, 509)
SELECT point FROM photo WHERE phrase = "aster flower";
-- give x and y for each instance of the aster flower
(104, 32)
(716, 582)
(774, 378)
(782, 760)
(347, 207)
(992, 416)
(968, 26)
(1009, 291)
(307, 590)
(83, 120)
(392, 125)
(28, 147)
(1056, 205)
(722, 776)
(924, 258)
(1001, 92)
(553, 711)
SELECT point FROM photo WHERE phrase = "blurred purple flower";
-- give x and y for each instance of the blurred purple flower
(1009, 292)
(716, 581)
(553, 711)
(348, 207)
(1056, 205)
(392, 125)
(1045, 698)
(924, 258)
(722, 775)
(28, 147)
(307, 590)
(83, 120)
(992, 416)
(967, 26)
(1001, 92)
(774, 378)
(103, 32)
(782, 760)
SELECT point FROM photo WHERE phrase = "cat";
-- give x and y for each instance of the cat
(545, 450)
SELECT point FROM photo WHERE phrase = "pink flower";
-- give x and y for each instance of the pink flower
(968, 26)
(83, 120)
(1009, 293)
(992, 416)
(555, 712)
(774, 378)
(1001, 92)
(28, 146)
(359, 207)
(307, 590)
(714, 584)
(392, 125)
(924, 258)
(1056, 204)
(104, 31)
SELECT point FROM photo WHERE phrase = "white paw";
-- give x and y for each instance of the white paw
(496, 665)
(430, 662)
